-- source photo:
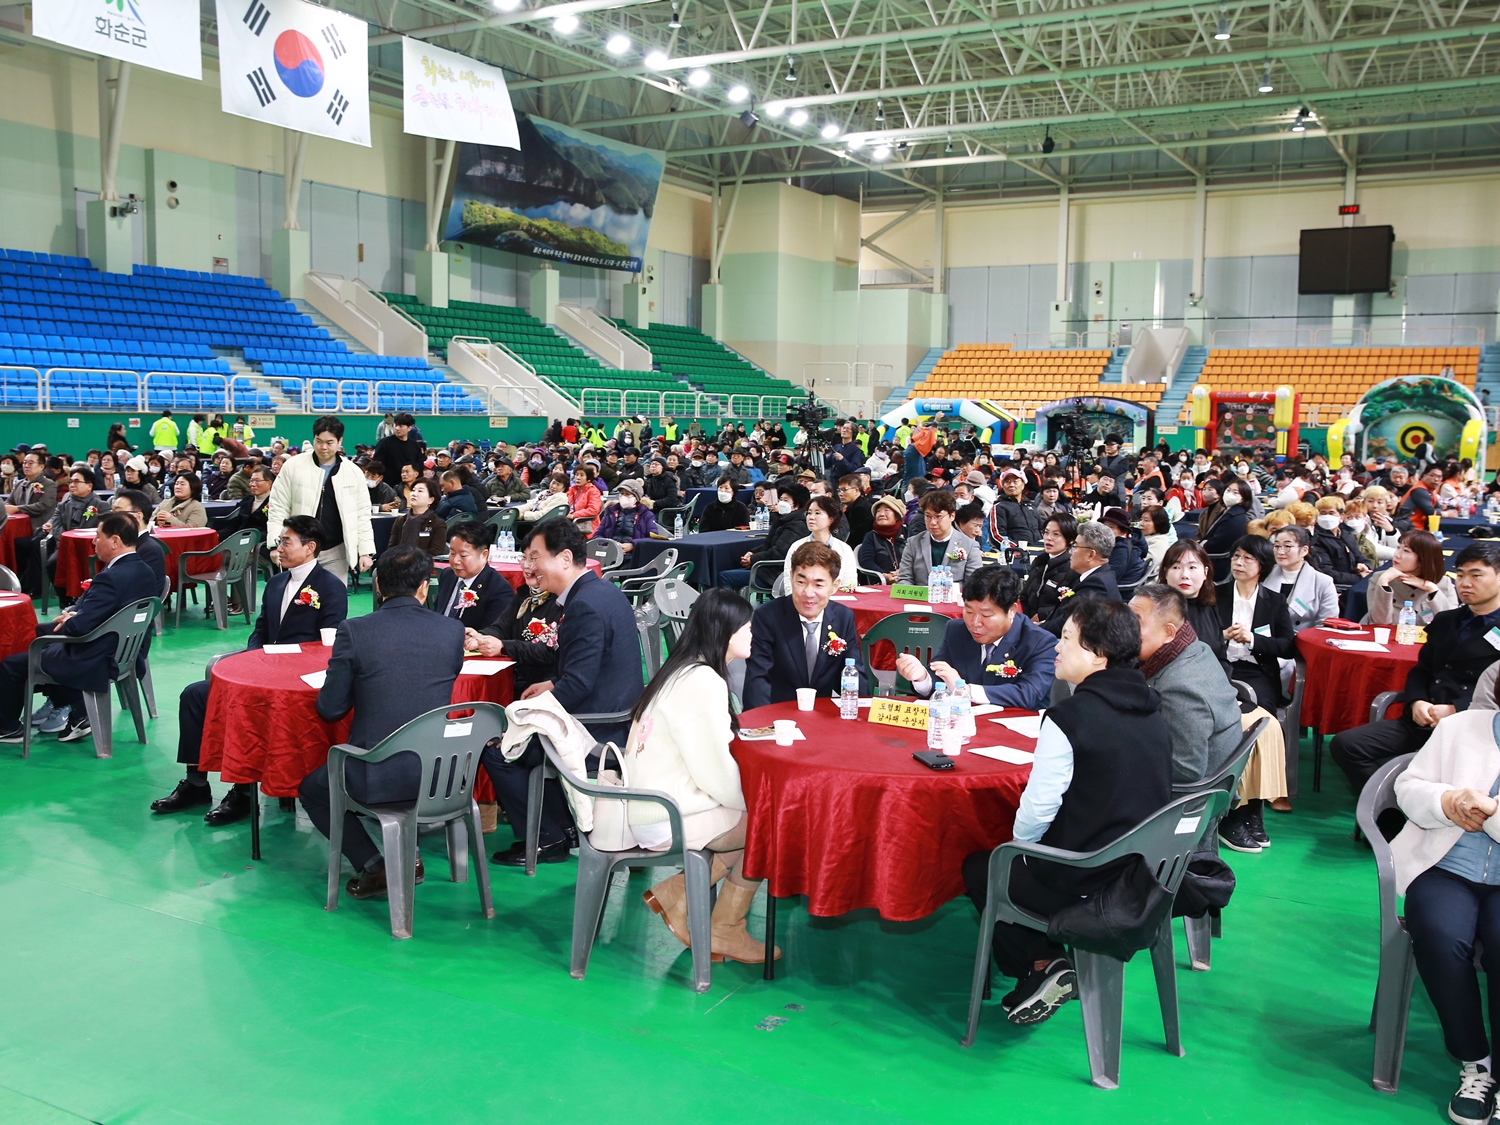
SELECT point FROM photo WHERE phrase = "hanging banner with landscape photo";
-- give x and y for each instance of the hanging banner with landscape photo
(567, 196)
(454, 98)
(162, 34)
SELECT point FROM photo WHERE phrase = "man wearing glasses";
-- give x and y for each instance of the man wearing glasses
(299, 602)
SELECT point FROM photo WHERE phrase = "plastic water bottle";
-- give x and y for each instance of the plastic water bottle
(937, 717)
(937, 592)
(1406, 626)
(953, 737)
(963, 711)
(677, 528)
(849, 690)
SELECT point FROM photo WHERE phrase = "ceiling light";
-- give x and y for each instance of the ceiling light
(829, 131)
(776, 109)
(881, 152)
(879, 111)
(699, 78)
(791, 70)
(949, 146)
(1048, 144)
(737, 94)
(618, 43)
(676, 21)
(797, 117)
(1221, 30)
(856, 143)
(507, 5)
(748, 119)
(1265, 81)
(565, 24)
(1300, 124)
(657, 60)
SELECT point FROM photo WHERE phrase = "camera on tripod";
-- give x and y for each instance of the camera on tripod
(808, 414)
(1074, 432)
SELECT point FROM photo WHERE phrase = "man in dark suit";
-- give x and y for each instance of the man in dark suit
(123, 578)
(1461, 643)
(299, 602)
(469, 590)
(803, 639)
(137, 505)
(388, 667)
(995, 645)
(79, 509)
(1089, 560)
(598, 673)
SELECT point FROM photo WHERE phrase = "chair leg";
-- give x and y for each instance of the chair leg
(1164, 965)
(149, 692)
(458, 850)
(1101, 988)
(696, 865)
(1317, 761)
(132, 703)
(588, 905)
(26, 719)
(535, 782)
(1216, 922)
(981, 982)
(1198, 932)
(336, 807)
(100, 709)
(481, 869)
(399, 834)
(177, 604)
(218, 595)
(1392, 1008)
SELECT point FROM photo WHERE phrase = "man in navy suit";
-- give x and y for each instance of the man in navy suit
(995, 645)
(123, 578)
(469, 590)
(388, 667)
(137, 505)
(598, 673)
(803, 639)
(1091, 550)
(299, 602)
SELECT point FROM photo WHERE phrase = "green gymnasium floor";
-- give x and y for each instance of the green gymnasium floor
(152, 974)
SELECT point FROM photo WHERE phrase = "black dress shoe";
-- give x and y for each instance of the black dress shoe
(185, 796)
(367, 884)
(237, 804)
(515, 855)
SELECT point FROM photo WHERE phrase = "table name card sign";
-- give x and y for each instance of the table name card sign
(899, 713)
(505, 556)
(905, 593)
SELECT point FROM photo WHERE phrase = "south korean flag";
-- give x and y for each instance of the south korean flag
(297, 65)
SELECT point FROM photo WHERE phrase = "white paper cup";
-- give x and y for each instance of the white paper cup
(1382, 636)
(785, 729)
(374, 509)
(327, 635)
(805, 697)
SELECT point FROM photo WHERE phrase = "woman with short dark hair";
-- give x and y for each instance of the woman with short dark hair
(420, 525)
(1416, 575)
(1051, 571)
(183, 508)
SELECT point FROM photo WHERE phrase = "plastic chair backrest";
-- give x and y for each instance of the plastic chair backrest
(238, 550)
(667, 517)
(504, 519)
(780, 587)
(648, 629)
(129, 624)
(449, 750)
(920, 634)
(8, 580)
(1165, 839)
(606, 552)
(674, 598)
(1378, 795)
(556, 512)
(1228, 778)
(460, 517)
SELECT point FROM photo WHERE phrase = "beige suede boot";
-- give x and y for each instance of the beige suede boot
(669, 899)
(731, 940)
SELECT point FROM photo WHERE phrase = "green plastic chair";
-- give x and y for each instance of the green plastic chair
(918, 633)
(504, 520)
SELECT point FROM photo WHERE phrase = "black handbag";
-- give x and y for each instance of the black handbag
(1119, 919)
(1207, 885)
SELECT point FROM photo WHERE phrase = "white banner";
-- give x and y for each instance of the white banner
(297, 65)
(455, 98)
(160, 34)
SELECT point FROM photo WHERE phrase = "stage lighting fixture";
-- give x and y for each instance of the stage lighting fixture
(656, 60)
(565, 24)
(676, 21)
(1265, 81)
(829, 131)
(791, 70)
(879, 112)
(618, 43)
(1048, 144)
(949, 146)
(748, 119)
(699, 78)
(1221, 30)
(737, 94)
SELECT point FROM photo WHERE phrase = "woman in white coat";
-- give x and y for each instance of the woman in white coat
(682, 726)
(1447, 861)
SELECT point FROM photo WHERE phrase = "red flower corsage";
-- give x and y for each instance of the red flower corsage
(1009, 670)
(468, 599)
(542, 633)
(308, 596)
(836, 644)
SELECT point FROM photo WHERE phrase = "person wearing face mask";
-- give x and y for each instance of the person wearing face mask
(725, 512)
(1335, 550)
(1230, 526)
(788, 526)
(1415, 575)
(627, 521)
(382, 495)
(1358, 523)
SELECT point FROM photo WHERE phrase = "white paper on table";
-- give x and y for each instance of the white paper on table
(842, 598)
(281, 650)
(315, 679)
(1359, 646)
(1003, 754)
(865, 590)
(912, 607)
(485, 667)
(979, 710)
(1027, 726)
(866, 701)
(797, 736)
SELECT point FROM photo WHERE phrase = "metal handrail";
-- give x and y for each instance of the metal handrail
(275, 382)
(397, 309)
(5, 397)
(590, 311)
(146, 385)
(47, 379)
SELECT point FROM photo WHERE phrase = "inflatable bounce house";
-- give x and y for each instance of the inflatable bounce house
(994, 425)
(1246, 422)
(1101, 416)
(1393, 418)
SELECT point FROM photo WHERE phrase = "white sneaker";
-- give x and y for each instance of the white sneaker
(39, 714)
(1475, 1099)
(56, 720)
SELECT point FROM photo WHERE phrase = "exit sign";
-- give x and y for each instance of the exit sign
(1349, 209)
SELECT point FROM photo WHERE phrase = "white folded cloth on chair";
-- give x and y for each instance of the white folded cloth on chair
(543, 714)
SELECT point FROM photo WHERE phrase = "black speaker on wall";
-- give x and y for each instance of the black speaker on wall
(1345, 260)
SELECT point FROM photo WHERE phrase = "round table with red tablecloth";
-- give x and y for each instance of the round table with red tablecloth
(1341, 685)
(17, 624)
(16, 527)
(262, 722)
(511, 572)
(75, 547)
(848, 818)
